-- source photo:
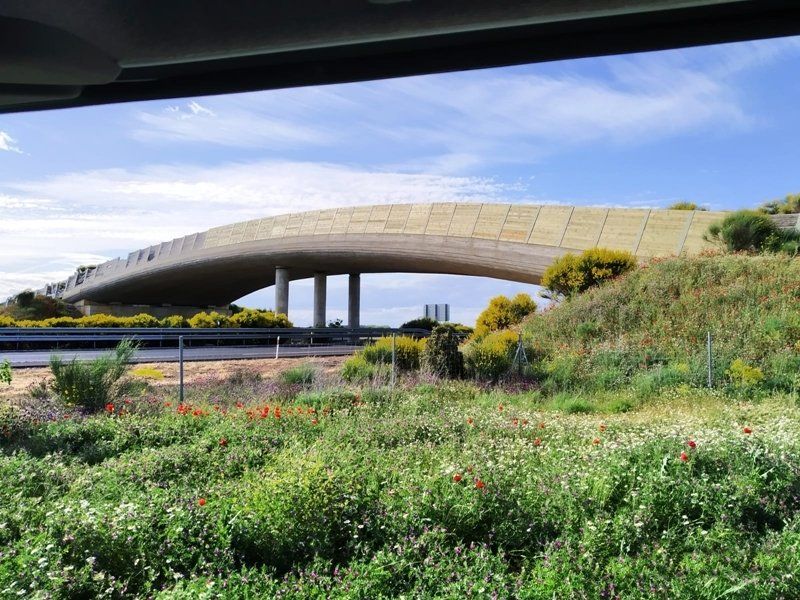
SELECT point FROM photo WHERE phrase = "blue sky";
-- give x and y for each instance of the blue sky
(716, 125)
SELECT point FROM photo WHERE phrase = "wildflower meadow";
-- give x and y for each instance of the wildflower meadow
(253, 489)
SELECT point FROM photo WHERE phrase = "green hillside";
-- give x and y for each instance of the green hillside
(653, 322)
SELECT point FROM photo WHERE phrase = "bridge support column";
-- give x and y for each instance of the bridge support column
(282, 290)
(320, 298)
(354, 301)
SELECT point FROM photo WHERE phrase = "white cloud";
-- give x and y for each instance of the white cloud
(8, 143)
(105, 213)
(228, 127)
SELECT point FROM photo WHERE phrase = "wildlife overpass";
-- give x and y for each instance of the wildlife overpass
(515, 242)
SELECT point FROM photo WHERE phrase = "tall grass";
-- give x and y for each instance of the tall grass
(92, 384)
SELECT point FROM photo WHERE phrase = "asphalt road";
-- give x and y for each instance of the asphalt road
(41, 358)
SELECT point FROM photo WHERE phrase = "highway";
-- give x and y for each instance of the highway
(41, 358)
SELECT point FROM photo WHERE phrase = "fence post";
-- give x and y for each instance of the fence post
(710, 360)
(180, 367)
(277, 347)
(394, 356)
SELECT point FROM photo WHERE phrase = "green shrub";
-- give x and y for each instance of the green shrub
(143, 320)
(408, 352)
(303, 374)
(572, 274)
(175, 321)
(683, 205)
(742, 375)
(441, 355)
(92, 384)
(503, 313)
(560, 373)
(789, 205)
(490, 357)
(420, 323)
(203, 320)
(5, 372)
(357, 369)
(250, 317)
(751, 231)
(57, 322)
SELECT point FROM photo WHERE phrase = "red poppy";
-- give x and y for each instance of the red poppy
(537, 442)
(457, 477)
(109, 408)
(602, 427)
(747, 430)
(515, 422)
(470, 421)
(524, 421)
(239, 405)
(201, 501)
(500, 407)
(223, 442)
(692, 444)
(479, 484)
(684, 457)
(168, 404)
(314, 421)
(127, 400)
(596, 441)
(541, 424)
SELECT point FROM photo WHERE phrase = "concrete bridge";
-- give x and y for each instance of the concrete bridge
(507, 241)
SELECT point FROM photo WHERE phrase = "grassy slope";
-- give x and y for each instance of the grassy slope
(661, 313)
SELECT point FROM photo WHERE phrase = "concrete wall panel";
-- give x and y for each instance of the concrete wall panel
(694, 242)
(519, 223)
(325, 221)
(265, 228)
(359, 219)
(465, 217)
(623, 229)
(551, 225)
(490, 222)
(439, 219)
(398, 215)
(417, 220)
(378, 218)
(309, 222)
(341, 222)
(584, 228)
(664, 233)
(293, 225)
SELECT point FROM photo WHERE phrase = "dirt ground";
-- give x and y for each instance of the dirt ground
(267, 367)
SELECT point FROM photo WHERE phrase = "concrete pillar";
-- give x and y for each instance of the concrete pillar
(282, 290)
(354, 301)
(320, 298)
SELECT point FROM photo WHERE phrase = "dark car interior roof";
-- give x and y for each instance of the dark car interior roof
(81, 52)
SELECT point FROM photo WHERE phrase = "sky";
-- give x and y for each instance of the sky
(716, 125)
